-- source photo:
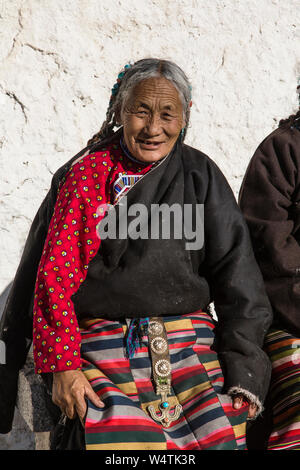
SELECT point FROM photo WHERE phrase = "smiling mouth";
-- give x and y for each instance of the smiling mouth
(150, 144)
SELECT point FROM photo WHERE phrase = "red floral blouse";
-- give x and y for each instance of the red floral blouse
(71, 243)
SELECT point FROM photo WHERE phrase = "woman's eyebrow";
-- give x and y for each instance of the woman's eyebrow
(140, 104)
(168, 107)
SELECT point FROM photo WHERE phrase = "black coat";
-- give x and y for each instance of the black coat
(160, 277)
(270, 201)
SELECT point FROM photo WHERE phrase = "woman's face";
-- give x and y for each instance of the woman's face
(152, 119)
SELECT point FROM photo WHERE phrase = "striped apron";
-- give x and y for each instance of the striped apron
(207, 420)
(284, 352)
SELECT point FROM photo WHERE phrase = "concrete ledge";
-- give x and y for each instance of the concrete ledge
(34, 402)
(35, 405)
(35, 414)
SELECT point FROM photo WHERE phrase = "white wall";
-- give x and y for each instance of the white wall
(60, 58)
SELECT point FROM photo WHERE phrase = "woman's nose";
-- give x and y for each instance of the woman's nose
(153, 126)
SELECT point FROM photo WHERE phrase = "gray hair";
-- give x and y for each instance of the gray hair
(134, 74)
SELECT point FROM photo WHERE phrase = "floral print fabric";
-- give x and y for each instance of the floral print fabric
(71, 244)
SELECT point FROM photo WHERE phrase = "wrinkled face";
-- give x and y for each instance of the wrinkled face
(152, 119)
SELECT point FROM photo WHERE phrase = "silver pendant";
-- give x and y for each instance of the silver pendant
(163, 413)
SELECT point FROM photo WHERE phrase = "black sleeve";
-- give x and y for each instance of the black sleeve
(242, 307)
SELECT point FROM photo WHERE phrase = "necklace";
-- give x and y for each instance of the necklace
(139, 162)
(128, 154)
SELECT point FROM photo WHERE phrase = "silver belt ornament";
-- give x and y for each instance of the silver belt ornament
(161, 366)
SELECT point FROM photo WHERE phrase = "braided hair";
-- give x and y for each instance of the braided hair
(129, 77)
(291, 120)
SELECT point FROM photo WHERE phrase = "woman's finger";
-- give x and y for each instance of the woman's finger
(91, 395)
(237, 402)
(81, 406)
(69, 410)
(252, 410)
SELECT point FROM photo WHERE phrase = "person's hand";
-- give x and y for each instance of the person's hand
(69, 390)
(238, 402)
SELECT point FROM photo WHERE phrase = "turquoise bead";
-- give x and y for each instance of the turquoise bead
(165, 404)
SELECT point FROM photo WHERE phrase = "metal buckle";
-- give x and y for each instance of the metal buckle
(161, 367)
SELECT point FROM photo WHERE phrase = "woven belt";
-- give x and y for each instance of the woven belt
(161, 367)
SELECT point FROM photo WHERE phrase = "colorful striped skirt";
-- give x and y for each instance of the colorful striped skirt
(208, 420)
(284, 396)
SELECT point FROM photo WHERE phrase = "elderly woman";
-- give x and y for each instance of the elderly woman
(121, 323)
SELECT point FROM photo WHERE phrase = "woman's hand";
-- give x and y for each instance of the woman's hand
(238, 402)
(69, 390)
